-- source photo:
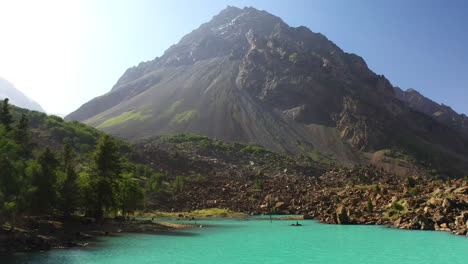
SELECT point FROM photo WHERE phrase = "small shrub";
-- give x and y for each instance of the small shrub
(369, 206)
(398, 207)
(199, 178)
(414, 191)
(258, 184)
(410, 182)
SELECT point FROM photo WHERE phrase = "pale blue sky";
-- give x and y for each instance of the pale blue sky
(64, 53)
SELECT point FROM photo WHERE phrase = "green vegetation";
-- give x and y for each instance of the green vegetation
(397, 206)
(395, 210)
(415, 191)
(183, 137)
(266, 161)
(293, 57)
(178, 184)
(206, 142)
(259, 184)
(184, 116)
(6, 118)
(70, 178)
(171, 110)
(199, 178)
(123, 118)
(369, 206)
(410, 182)
(316, 155)
(253, 149)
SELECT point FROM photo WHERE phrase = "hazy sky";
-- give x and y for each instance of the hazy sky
(63, 53)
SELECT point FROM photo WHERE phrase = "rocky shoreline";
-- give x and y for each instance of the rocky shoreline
(47, 232)
(366, 196)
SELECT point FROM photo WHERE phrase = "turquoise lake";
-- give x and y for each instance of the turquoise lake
(259, 241)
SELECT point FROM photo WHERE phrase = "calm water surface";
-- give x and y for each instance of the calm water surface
(259, 241)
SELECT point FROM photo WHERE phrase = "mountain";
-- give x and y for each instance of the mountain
(247, 76)
(8, 90)
(440, 112)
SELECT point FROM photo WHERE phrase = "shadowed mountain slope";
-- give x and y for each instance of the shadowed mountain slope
(440, 112)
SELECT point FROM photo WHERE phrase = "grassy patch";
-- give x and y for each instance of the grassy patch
(254, 149)
(184, 116)
(396, 209)
(171, 109)
(123, 118)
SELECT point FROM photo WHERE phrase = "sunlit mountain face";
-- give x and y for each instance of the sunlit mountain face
(247, 76)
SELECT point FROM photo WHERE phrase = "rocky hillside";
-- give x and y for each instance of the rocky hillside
(246, 76)
(8, 90)
(440, 112)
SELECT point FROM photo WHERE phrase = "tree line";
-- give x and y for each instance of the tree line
(35, 181)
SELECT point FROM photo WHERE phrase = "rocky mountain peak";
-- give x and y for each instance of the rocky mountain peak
(247, 76)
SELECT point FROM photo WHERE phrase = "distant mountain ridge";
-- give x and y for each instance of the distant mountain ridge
(8, 90)
(440, 112)
(247, 76)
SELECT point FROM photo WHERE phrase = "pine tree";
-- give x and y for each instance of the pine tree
(10, 186)
(69, 192)
(23, 136)
(45, 179)
(105, 175)
(5, 116)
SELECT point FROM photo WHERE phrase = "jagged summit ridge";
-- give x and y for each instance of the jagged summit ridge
(440, 112)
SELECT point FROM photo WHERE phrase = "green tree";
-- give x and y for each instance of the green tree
(22, 135)
(130, 195)
(5, 116)
(178, 184)
(105, 175)
(70, 190)
(14, 185)
(155, 183)
(44, 178)
(10, 186)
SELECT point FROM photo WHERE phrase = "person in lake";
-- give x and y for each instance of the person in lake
(296, 224)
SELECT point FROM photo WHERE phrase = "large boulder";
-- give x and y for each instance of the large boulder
(447, 204)
(280, 205)
(434, 201)
(342, 215)
(421, 222)
(461, 190)
(461, 221)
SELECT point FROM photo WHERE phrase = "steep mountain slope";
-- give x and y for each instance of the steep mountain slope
(440, 112)
(247, 76)
(8, 90)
